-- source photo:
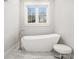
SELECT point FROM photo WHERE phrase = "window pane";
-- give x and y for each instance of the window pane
(31, 14)
(42, 14)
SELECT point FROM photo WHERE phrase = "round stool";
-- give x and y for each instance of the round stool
(62, 49)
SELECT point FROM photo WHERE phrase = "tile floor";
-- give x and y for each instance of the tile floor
(22, 54)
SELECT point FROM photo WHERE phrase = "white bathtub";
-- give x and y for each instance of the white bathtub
(40, 43)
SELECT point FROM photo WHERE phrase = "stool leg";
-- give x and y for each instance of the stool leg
(70, 56)
(60, 55)
(54, 54)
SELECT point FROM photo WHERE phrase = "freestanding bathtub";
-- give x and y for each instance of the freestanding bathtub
(40, 43)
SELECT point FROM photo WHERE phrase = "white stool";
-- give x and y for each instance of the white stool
(62, 50)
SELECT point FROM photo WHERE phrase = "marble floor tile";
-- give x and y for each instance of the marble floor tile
(22, 54)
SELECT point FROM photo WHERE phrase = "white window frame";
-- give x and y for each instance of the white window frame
(37, 19)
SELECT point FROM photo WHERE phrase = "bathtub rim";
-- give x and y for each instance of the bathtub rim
(43, 36)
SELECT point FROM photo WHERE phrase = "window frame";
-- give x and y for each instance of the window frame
(37, 19)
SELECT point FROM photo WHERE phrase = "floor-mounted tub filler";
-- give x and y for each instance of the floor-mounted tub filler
(40, 43)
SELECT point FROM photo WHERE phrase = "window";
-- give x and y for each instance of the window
(31, 14)
(42, 14)
(36, 14)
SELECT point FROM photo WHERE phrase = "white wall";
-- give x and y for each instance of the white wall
(11, 10)
(33, 30)
(64, 20)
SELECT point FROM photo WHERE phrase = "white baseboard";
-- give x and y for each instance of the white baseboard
(15, 46)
